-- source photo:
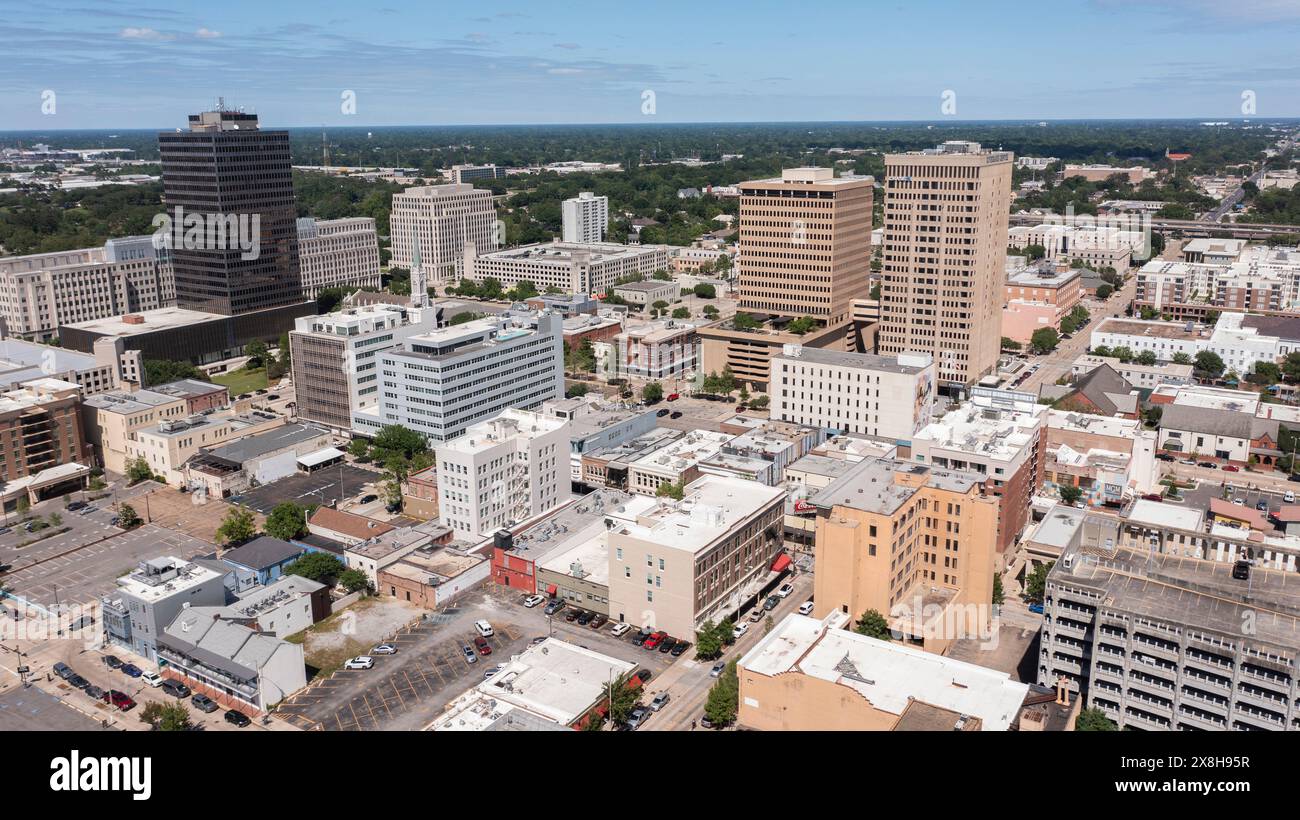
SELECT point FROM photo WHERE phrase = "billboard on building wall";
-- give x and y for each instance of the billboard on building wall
(923, 400)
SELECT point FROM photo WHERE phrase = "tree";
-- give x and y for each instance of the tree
(652, 392)
(317, 566)
(724, 698)
(659, 306)
(256, 351)
(1044, 340)
(1267, 373)
(354, 580)
(166, 717)
(874, 625)
(1035, 252)
(162, 371)
(137, 470)
(801, 325)
(705, 291)
(394, 438)
(620, 698)
(286, 521)
(1146, 357)
(1036, 583)
(675, 490)
(1094, 720)
(710, 311)
(127, 517)
(1010, 344)
(1208, 363)
(759, 402)
(237, 527)
(1123, 353)
(875, 292)
(1104, 291)
(682, 313)
(743, 321)
(998, 594)
(360, 449)
(708, 643)
(1070, 493)
(662, 275)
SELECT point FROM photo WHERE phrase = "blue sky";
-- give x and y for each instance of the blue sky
(119, 65)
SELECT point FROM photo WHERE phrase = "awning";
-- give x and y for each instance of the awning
(781, 563)
(320, 457)
(552, 589)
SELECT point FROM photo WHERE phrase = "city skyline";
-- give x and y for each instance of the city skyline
(511, 64)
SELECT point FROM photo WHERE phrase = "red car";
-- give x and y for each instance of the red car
(654, 640)
(1153, 497)
(1231, 468)
(121, 700)
(483, 647)
(674, 396)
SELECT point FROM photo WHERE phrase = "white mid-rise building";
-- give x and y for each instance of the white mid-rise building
(570, 267)
(886, 396)
(336, 253)
(439, 383)
(586, 217)
(443, 218)
(507, 469)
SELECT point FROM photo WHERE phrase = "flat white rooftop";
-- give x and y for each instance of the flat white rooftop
(555, 680)
(712, 506)
(160, 319)
(1159, 514)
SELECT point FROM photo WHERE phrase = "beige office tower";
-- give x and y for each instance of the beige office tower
(944, 255)
(444, 218)
(805, 243)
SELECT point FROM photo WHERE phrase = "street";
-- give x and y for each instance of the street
(1059, 362)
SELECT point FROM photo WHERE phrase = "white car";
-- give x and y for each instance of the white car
(483, 628)
(361, 662)
(533, 600)
(384, 649)
(1289, 497)
(741, 629)
(806, 608)
(659, 702)
(152, 678)
(620, 630)
(785, 590)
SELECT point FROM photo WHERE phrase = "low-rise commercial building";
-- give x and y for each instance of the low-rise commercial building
(167, 445)
(572, 267)
(648, 291)
(150, 597)
(1141, 376)
(664, 349)
(596, 424)
(251, 460)
(676, 462)
(433, 576)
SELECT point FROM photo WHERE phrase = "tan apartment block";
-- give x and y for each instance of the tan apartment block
(805, 243)
(944, 257)
(914, 543)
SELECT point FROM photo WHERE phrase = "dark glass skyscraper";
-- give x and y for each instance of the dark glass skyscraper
(225, 171)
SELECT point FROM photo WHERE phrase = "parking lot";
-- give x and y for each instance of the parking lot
(321, 487)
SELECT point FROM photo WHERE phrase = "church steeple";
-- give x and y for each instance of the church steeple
(419, 286)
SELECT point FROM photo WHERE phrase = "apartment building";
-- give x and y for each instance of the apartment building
(1154, 639)
(805, 243)
(810, 675)
(913, 542)
(41, 292)
(570, 267)
(703, 558)
(439, 383)
(111, 420)
(501, 471)
(461, 174)
(944, 257)
(886, 396)
(335, 358)
(434, 222)
(40, 428)
(335, 253)
(585, 217)
(997, 435)
(152, 595)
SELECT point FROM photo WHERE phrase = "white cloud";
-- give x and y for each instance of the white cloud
(132, 33)
(207, 34)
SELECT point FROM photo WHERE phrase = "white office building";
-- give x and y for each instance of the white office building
(507, 469)
(586, 217)
(570, 267)
(335, 253)
(886, 396)
(441, 382)
(148, 599)
(443, 218)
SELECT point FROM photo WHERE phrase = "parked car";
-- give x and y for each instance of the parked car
(1165, 457)
(585, 618)
(572, 614)
(659, 702)
(1289, 497)
(806, 608)
(620, 629)
(175, 688)
(785, 590)
(1209, 465)
(1231, 468)
(676, 414)
(771, 602)
(368, 499)
(668, 644)
(130, 670)
(1036, 608)
(360, 662)
(637, 717)
(76, 505)
(755, 616)
(705, 722)
(717, 669)
(674, 396)
(95, 692)
(121, 700)
(77, 682)
(665, 411)
(152, 678)
(112, 661)
(483, 628)
(639, 638)
(237, 718)
(384, 649)
(204, 704)
(553, 607)
(643, 675)
(1239, 502)
(1261, 505)
(654, 640)
(468, 652)
(533, 600)
(681, 647)
(1153, 497)
(483, 647)
(740, 630)
(63, 670)
(598, 621)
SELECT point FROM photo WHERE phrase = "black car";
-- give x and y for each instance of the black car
(95, 692)
(76, 505)
(77, 681)
(663, 413)
(643, 675)
(1209, 465)
(585, 618)
(667, 644)
(676, 414)
(573, 614)
(238, 718)
(204, 704)
(1165, 457)
(639, 638)
(112, 661)
(681, 647)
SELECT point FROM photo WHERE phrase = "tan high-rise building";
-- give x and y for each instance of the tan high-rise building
(805, 243)
(914, 543)
(944, 255)
(443, 218)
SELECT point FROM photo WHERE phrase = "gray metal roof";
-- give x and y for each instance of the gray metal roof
(259, 444)
(263, 552)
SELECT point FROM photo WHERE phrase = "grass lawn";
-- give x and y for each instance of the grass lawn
(243, 380)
